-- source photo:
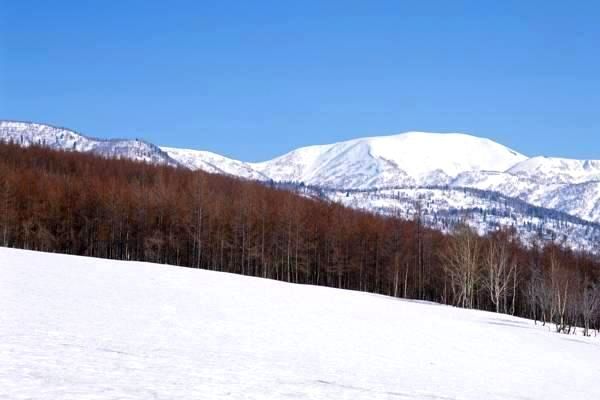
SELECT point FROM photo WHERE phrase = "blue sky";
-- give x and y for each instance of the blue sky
(252, 80)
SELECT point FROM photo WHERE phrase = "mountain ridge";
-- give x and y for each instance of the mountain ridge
(31, 133)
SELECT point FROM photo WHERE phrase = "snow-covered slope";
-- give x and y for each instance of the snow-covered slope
(213, 163)
(558, 170)
(85, 328)
(27, 134)
(413, 158)
(443, 208)
(565, 193)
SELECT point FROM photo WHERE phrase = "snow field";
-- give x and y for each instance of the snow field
(84, 328)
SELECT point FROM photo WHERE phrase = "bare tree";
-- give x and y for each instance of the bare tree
(590, 303)
(462, 265)
(499, 271)
(559, 282)
(531, 292)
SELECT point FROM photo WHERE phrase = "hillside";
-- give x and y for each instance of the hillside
(84, 328)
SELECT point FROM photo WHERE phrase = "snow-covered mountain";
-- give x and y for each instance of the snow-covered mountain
(89, 328)
(419, 159)
(27, 134)
(413, 158)
(357, 171)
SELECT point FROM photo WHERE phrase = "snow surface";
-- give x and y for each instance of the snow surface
(84, 328)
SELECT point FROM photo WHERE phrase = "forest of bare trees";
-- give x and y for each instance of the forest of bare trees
(80, 204)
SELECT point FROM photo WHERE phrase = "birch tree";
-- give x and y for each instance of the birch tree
(498, 272)
(461, 262)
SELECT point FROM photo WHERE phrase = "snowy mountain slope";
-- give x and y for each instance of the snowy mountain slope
(213, 163)
(426, 159)
(443, 208)
(85, 328)
(558, 170)
(581, 199)
(413, 158)
(27, 134)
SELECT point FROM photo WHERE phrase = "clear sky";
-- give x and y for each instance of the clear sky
(253, 79)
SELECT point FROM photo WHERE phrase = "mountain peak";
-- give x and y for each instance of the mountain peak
(410, 158)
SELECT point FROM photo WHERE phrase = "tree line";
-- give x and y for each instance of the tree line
(82, 204)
